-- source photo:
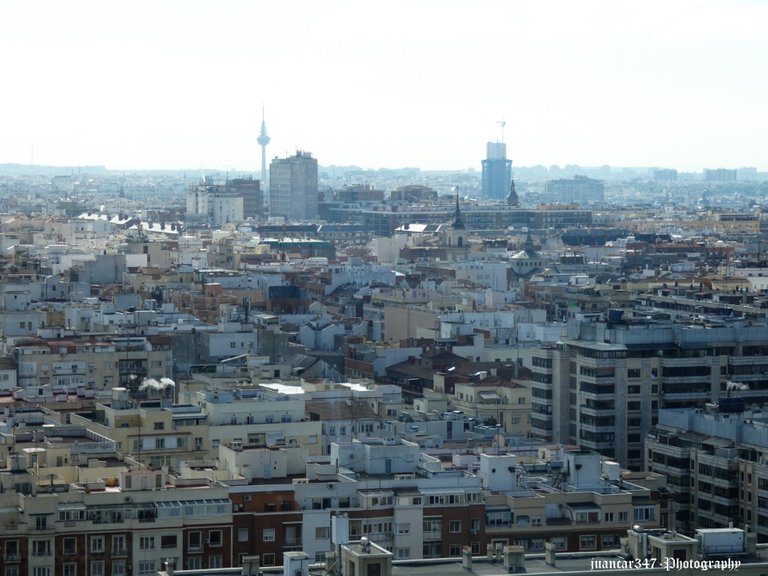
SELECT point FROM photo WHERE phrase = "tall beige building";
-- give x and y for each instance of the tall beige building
(293, 187)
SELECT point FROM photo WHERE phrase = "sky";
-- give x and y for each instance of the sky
(161, 84)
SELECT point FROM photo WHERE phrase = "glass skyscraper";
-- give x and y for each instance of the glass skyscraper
(497, 171)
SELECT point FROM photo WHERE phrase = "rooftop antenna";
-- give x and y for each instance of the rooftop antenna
(501, 124)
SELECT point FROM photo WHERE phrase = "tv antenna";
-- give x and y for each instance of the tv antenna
(501, 124)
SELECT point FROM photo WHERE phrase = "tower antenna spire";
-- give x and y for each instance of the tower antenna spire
(501, 124)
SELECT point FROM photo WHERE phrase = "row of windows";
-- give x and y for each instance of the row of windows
(97, 544)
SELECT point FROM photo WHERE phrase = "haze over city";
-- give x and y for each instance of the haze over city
(181, 84)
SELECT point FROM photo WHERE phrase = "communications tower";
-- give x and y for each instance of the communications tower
(263, 140)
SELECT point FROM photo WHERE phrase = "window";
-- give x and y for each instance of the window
(195, 540)
(214, 538)
(41, 522)
(454, 550)
(118, 568)
(41, 547)
(146, 543)
(432, 527)
(168, 541)
(268, 535)
(322, 532)
(118, 545)
(587, 542)
(536, 545)
(69, 569)
(268, 559)
(41, 571)
(97, 568)
(147, 568)
(159, 443)
(159, 425)
(560, 543)
(194, 563)
(608, 517)
(403, 553)
(11, 571)
(610, 541)
(69, 546)
(645, 513)
(12, 550)
(242, 535)
(215, 561)
(404, 528)
(455, 526)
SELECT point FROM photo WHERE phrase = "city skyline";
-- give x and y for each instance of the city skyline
(181, 84)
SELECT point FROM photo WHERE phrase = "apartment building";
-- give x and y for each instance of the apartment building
(491, 398)
(716, 462)
(258, 416)
(572, 499)
(293, 187)
(117, 526)
(93, 362)
(154, 432)
(388, 490)
(621, 371)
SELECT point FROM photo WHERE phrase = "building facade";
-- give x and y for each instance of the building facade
(118, 526)
(716, 463)
(293, 187)
(579, 190)
(497, 171)
(620, 373)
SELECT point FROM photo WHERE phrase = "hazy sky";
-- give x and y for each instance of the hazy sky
(163, 84)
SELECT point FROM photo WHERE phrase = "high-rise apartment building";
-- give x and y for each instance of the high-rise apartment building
(578, 190)
(720, 175)
(665, 175)
(716, 464)
(603, 385)
(293, 187)
(497, 171)
(251, 192)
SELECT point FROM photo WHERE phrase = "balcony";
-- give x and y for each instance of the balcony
(593, 411)
(292, 543)
(687, 396)
(760, 360)
(559, 521)
(12, 558)
(433, 535)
